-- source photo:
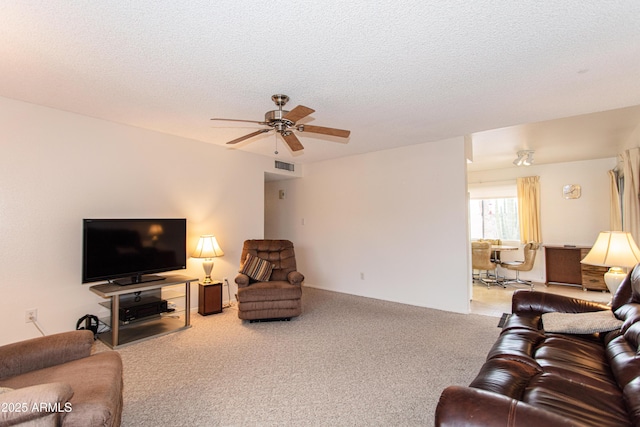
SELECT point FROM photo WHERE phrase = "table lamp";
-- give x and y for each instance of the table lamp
(617, 250)
(208, 249)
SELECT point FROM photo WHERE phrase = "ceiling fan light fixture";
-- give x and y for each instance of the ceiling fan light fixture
(284, 123)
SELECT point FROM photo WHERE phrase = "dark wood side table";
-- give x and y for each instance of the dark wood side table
(210, 298)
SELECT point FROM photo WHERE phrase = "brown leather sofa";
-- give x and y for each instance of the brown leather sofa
(55, 381)
(537, 378)
(279, 297)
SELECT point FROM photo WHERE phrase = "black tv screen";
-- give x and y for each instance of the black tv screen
(132, 249)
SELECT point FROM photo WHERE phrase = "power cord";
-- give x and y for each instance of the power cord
(103, 327)
(229, 303)
(32, 319)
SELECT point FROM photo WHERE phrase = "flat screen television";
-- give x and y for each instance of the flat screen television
(129, 251)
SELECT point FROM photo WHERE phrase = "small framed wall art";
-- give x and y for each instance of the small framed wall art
(571, 191)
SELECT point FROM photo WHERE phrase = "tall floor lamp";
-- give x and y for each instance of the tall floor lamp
(208, 249)
(617, 250)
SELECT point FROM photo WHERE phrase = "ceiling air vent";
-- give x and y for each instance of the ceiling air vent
(284, 166)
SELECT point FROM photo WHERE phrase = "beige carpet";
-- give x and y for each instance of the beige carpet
(347, 361)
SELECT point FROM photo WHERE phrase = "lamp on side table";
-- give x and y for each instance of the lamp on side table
(617, 250)
(209, 292)
(208, 249)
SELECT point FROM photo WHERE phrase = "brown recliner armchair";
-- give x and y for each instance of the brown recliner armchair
(280, 295)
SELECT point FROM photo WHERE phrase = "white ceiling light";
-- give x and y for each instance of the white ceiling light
(525, 158)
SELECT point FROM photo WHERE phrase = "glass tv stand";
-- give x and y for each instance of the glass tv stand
(123, 331)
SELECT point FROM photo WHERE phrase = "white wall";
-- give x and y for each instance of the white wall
(633, 140)
(57, 168)
(564, 222)
(399, 217)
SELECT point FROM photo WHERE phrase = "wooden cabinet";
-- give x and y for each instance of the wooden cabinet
(563, 268)
(210, 298)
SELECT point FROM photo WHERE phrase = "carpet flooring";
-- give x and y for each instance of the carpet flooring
(346, 361)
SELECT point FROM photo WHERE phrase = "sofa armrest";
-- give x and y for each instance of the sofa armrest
(242, 280)
(295, 278)
(28, 404)
(525, 301)
(43, 352)
(465, 406)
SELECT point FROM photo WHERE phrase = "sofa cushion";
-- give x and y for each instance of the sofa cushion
(257, 268)
(505, 376)
(43, 352)
(270, 291)
(630, 314)
(97, 398)
(40, 405)
(517, 344)
(588, 405)
(624, 360)
(632, 398)
(577, 358)
(580, 323)
(528, 321)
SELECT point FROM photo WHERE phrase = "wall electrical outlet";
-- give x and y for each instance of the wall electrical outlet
(31, 315)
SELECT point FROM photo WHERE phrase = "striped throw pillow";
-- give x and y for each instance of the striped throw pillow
(257, 268)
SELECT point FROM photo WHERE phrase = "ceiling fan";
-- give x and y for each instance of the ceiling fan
(284, 123)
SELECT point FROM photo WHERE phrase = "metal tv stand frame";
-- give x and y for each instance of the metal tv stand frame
(121, 335)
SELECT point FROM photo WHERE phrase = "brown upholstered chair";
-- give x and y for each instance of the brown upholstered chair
(279, 297)
(530, 250)
(481, 261)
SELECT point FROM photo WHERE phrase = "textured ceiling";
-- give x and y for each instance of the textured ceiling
(393, 72)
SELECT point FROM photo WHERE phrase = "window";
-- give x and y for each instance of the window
(493, 211)
(494, 218)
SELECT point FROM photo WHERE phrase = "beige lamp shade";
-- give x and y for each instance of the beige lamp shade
(207, 248)
(617, 250)
(613, 249)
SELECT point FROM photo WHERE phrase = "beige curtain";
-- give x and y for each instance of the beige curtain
(615, 215)
(630, 200)
(529, 209)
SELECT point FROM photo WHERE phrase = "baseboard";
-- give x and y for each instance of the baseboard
(324, 288)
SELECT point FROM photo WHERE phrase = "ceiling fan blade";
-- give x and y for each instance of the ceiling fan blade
(297, 113)
(251, 135)
(324, 130)
(292, 141)
(238, 120)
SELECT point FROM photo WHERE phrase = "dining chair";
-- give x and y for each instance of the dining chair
(530, 251)
(481, 261)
